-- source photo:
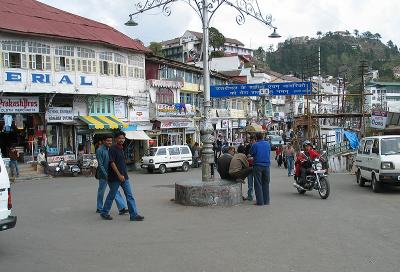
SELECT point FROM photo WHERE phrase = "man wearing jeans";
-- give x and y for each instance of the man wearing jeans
(102, 175)
(260, 151)
(13, 154)
(118, 176)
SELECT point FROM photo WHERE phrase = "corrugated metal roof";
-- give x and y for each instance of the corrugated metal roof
(35, 18)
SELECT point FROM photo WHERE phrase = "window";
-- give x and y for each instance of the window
(39, 59)
(189, 77)
(101, 106)
(162, 152)
(14, 54)
(367, 148)
(120, 65)
(164, 96)
(67, 51)
(361, 147)
(64, 60)
(173, 151)
(375, 147)
(86, 60)
(390, 146)
(184, 150)
(106, 65)
(136, 66)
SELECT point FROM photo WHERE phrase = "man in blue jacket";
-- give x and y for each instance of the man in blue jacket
(103, 160)
(260, 151)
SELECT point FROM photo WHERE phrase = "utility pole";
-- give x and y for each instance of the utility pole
(338, 98)
(363, 68)
(320, 98)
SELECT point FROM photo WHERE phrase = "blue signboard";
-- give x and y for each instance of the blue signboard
(281, 88)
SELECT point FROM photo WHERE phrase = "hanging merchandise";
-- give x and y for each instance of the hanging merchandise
(19, 121)
(7, 122)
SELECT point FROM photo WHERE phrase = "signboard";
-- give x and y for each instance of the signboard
(175, 110)
(66, 158)
(60, 115)
(225, 124)
(235, 123)
(176, 124)
(19, 104)
(139, 114)
(242, 123)
(281, 88)
(378, 119)
(120, 107)
(47, 78)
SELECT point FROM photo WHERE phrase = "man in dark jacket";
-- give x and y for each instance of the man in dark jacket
(102, 175)
(118, 176)
(224, 162)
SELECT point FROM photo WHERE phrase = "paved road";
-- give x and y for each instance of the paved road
(58, 230)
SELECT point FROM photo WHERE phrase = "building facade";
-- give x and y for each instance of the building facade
(61, 89)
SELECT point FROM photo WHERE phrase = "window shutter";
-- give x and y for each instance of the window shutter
(32, 62)
(57, 59)
(24, 62)
(6, 62)
(110, 69)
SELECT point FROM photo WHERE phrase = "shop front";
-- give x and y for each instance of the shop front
(60, 131)
(21, 125)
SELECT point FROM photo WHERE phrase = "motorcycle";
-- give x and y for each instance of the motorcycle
(317, 179)
(66, 169)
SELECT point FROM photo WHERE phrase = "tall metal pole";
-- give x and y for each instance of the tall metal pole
(319, 98)
(206, 131)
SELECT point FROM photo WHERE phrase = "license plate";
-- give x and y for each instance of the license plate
(144, 166)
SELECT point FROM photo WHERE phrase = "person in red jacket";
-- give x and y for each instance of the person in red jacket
(303, 165)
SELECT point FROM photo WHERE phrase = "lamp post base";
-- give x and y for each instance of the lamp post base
(216, 193)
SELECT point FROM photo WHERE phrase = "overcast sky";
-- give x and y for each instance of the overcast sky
(292, 17)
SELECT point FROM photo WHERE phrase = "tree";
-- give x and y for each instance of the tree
(390, 44)
(356, 33)
(156, 48)
(319, 33)
(217, 40)
(368, 35)
(377, 36)
(259, 54)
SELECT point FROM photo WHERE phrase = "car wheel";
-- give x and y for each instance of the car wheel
(185, 167)
(360, 179)
(375, 185)
(163, 169)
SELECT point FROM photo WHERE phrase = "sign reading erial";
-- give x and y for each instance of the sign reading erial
(281, 88)
(19, 104)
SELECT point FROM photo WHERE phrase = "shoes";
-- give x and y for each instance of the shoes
(98, 211)
(137, 218)
(106, 216)
(123, 211)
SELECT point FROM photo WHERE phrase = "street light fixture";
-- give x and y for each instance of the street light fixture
(206, 9)
(131, 22)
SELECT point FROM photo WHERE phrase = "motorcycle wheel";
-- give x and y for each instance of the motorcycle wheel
(324, 189)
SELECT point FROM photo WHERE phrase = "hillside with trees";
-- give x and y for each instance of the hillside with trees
(341, 53)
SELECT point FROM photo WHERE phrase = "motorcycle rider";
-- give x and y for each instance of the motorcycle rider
(303, 162)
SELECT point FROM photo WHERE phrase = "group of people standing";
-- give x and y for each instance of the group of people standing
(252, 162)
(285, 155)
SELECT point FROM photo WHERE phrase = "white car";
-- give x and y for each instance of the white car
(378, 161)
(7, 221)
(163, 157)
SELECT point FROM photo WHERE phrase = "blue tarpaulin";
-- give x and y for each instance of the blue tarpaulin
(352, 138)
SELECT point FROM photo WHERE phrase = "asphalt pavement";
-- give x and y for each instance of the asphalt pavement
(58, 229)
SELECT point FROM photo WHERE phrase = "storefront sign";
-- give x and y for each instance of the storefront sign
(223, 113)
(235, 123)
(58, 158)
(139, 114)
(19, 104)
(225, 124)
(176, 124)
(165, 84)
(279, 116)
(175, 110)
(60, 115)
(378, 119)
(120, 107)
(242, 123)
(45, 78)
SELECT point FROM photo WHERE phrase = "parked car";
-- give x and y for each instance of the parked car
(7, 221)
(378, 161)
(275, 141)
(167, 157)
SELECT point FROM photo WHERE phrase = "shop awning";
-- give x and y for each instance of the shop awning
(137, 135)
(103, 122)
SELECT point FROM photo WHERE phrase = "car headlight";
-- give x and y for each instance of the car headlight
(151, 161)
(387, 165)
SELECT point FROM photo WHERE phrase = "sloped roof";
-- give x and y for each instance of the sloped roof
(170, 42)
(199, 35)
(35, 18)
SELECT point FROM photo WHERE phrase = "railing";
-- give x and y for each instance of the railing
(338, 149)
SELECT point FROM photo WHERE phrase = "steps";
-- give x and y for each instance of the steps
(27, 172)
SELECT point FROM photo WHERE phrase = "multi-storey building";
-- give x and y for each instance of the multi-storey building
(384, 95)
(64, 79)
(184, 48)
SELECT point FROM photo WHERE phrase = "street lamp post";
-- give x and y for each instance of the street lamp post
(206, 9)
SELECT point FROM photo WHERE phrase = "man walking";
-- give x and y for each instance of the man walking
(118, 176)
(260, 151)
(103, 160)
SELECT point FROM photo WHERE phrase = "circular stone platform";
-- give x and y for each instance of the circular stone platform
(216, 193)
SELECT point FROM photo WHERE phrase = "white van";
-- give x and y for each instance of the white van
(378, 161)
(7, 221)
(164, 157)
